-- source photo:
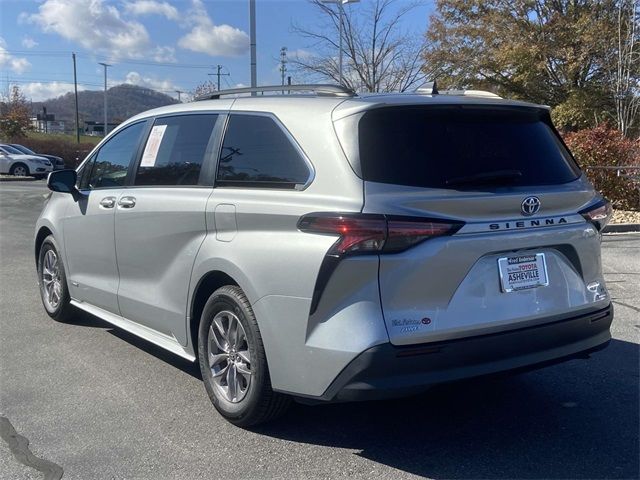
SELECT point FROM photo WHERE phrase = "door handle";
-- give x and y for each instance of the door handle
(108, 202)
(127, 202)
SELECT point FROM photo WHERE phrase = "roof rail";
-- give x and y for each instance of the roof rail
(471, 93)
(319, 89)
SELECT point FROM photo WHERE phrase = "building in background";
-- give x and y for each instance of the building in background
(96, 129)
(47, 123)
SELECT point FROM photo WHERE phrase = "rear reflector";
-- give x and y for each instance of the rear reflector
(370, 233)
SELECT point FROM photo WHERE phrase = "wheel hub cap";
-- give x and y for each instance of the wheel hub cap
(228, 356)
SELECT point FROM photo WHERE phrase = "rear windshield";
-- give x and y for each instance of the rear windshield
(459, 147)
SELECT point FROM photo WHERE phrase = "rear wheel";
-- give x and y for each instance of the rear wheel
(233, 362)
(53, 282)
(19, 170)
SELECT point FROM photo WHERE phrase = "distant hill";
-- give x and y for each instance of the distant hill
(124, 101)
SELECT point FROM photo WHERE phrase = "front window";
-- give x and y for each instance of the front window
(112, 161)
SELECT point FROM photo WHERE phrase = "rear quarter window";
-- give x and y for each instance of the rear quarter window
(257, 153)
(430, 146)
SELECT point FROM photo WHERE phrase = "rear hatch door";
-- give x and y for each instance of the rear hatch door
(506, 174)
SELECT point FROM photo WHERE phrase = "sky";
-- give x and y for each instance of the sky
(166, 45)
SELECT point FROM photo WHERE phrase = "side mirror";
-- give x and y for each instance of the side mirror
(63, 181)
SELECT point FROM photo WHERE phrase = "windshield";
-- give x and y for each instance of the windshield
(24, 149)
(10, 149)
(462, 147)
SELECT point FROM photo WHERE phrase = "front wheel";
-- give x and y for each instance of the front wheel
(19, 170)
(53, 282)
(233, 361)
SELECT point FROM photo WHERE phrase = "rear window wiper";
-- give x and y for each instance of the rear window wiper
(496, 176)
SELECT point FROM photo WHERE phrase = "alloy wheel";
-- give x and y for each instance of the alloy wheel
(51, 279)
(20, 171)
(228, 356)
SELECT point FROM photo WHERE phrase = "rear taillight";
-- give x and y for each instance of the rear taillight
(403, 234)
(370, 233)
(598, 214)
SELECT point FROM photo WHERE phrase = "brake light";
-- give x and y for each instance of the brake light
(361, 233)
(370, 233)
(403, 234)
(598, 214)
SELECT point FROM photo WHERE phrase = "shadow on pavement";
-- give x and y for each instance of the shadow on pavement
(579, 419)
(84, 319)
(574, 420)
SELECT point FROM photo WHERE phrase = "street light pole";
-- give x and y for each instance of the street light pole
(341, 4)
(340, 14)
(75, 89)
(105, 65)
(252, 32)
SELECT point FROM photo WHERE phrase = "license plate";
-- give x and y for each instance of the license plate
(522, 272)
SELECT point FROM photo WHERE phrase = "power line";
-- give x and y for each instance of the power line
(218, 74)
(60, 53)
(25, 81)
(110, 84)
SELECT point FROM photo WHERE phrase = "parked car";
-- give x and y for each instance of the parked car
(333, 247)
(14, 162)
(57, 162)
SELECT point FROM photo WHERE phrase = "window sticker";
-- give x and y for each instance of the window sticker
(153, 145)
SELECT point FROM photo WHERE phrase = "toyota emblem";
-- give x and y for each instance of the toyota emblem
(530, 206)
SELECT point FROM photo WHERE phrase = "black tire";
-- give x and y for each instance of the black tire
(260, 403)
(63, 311)
(17, 166)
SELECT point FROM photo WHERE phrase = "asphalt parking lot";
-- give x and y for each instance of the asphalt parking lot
(97, 402)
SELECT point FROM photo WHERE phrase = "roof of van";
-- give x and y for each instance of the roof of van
(340, 106)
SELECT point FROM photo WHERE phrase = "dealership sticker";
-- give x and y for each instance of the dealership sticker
(153, 145)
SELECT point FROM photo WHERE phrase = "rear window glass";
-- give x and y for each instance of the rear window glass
(459, 147)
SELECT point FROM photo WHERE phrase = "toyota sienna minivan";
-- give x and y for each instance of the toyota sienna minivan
(326, 246)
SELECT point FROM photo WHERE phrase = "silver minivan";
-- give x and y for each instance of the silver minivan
(324, 246)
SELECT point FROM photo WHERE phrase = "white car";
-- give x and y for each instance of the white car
(14, 162)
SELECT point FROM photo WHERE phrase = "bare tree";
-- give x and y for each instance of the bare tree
(380, 55)
(205, 88)
(626, 66)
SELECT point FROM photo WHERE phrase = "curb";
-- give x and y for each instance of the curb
(622, 228)
(17, 179)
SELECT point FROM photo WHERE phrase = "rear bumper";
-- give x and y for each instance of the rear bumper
(387, 371)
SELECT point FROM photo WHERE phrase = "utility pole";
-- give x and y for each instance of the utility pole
(105, 65)
(75, 88)
(219, 74)
(252, 31)
(283, 64)
(44, 117)
(179, 92)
